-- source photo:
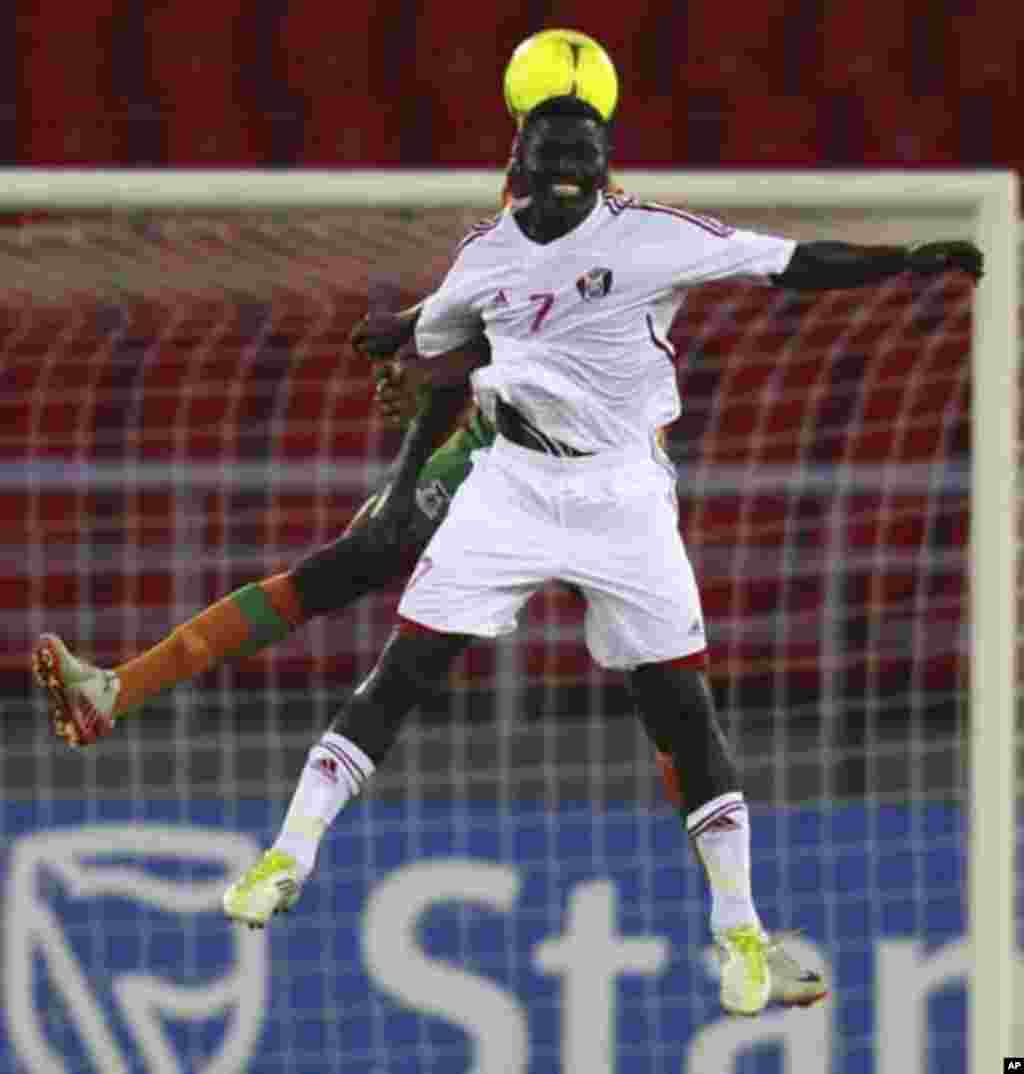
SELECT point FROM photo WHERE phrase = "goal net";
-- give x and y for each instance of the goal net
(181, 416)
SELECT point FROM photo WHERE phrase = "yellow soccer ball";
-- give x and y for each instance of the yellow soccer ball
(559, 63)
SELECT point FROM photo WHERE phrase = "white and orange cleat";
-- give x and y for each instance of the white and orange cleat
(792, 985)
(81, 696)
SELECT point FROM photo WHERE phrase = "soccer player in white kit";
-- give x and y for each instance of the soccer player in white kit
(576, 291)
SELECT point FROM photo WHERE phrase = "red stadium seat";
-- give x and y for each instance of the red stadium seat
(984, 51)
(64, 113)
(454, 105)
(985, 67)
(333, 59)
(858, 50)
(770, 131)
(648, 133)
(194, 67)
(902, 131)
(744, 52)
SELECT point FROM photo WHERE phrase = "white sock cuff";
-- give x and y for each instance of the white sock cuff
(723, 805)
(357, 766)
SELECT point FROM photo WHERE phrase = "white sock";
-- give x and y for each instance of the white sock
(336, 770)
(720, 831)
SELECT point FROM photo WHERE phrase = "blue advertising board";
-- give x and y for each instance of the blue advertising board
(469, 937)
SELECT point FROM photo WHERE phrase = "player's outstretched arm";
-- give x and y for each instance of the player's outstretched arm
(441, 400)
(825, 266)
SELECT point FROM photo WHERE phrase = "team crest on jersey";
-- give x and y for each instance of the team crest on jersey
(594, 284)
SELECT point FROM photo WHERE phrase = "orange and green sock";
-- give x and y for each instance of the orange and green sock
(237, 626)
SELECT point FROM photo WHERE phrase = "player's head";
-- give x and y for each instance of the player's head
(565, 106)
(563, 152)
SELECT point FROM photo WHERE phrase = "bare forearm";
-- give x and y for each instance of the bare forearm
(453, 369)
(439, 409)
(824, 266)
(440, 386)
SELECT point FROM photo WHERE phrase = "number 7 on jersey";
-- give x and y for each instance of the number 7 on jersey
(546, 300)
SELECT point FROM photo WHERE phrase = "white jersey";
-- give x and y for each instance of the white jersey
(579, 327)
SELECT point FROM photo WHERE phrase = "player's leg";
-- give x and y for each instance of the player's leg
(474, 576)
(675, 703)
(85, 700)
(644, 617)
(414, 660)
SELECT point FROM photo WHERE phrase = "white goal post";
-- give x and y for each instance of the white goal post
(983, 205)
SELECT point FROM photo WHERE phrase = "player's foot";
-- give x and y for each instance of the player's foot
(270, 886)
(792, 985)
(81, 696)
(746, 976)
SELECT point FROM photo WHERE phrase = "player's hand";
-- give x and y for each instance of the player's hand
(931, 258)
(396, 394)
(379, 335)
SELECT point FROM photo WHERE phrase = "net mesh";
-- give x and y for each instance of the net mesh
(181, 416)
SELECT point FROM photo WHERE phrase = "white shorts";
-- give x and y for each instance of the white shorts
(607, 523)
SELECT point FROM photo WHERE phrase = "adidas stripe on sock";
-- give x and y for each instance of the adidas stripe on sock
(720, 830)
(336, 771)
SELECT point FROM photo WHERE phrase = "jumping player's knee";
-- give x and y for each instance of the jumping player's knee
(670, 694)
(412, 663)
(339, 573)
(421, 653)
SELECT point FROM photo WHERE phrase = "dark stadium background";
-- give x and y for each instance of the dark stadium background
(277, 84)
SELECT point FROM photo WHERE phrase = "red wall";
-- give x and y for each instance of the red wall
(219, 82)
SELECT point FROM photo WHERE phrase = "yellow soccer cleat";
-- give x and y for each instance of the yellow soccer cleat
(746, 976)
(272, 885)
